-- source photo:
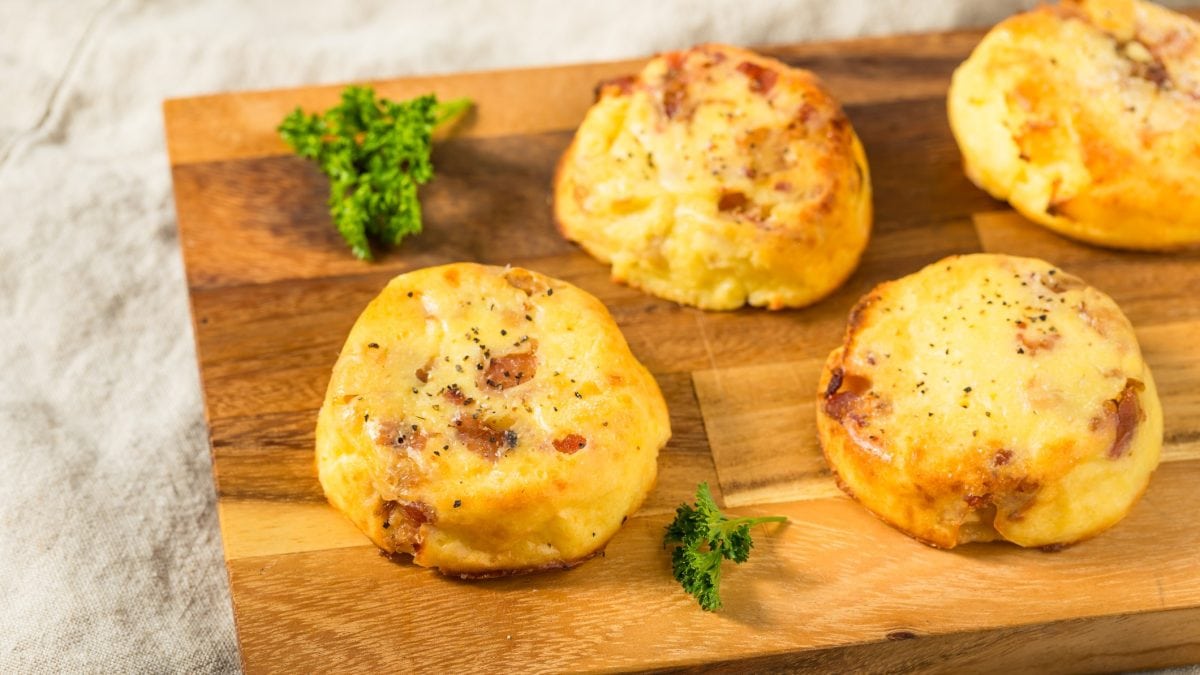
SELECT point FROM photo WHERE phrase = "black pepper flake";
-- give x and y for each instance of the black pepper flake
(410, 294)
(445, 447)
(1020, 350)
(373, 345)
(578, 395)
(528, 318)
(549, 291)
(458, 367)
(457, 503)
(967, 389)
(367, 417)
(503, 332)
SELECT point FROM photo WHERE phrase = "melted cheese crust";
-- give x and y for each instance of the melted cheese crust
(991, 397)
(718, 178)
(1086, 118)
(488, 421)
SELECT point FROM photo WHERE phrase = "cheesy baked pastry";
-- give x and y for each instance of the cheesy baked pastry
(990, 397)
(488, 421)
(718, 178)
(1086, 117)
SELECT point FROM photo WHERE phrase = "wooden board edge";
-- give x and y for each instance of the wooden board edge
(1107, 643)
(184, 121)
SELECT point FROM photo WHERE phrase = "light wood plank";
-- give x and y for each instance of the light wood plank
(833, 576)
(251, 529)
(761, 425)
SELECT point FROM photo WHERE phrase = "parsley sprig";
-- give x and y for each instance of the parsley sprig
(375, 153)
(706, 537)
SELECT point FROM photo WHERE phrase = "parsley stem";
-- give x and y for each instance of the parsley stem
(450, 110)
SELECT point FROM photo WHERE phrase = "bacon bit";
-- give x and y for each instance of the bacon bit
(978, 501)
(1128, 411)
(510, 370)
(455, 395)
(621, 86)
(674, 84)
(838, 125)
(400, 436)
(807, 110)
(570, 444)
(483, 439)
(840, 405)
(422, 375)
(405, 519)
(1045, 342)
(761, 79)
(1002, 457)
(835, 382)
(1027, 485)
(1154, 72)
(731, 200)
(674, 94)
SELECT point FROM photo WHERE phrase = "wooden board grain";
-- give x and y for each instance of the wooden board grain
(274, 292)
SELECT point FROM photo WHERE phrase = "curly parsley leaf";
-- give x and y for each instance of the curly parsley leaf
(375, 153)
(705, 538)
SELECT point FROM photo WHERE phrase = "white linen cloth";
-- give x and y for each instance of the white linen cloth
(110, 556)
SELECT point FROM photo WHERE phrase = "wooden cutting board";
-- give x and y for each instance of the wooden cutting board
(274, 292)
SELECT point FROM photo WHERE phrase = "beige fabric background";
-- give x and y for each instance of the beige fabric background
(110, 555)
